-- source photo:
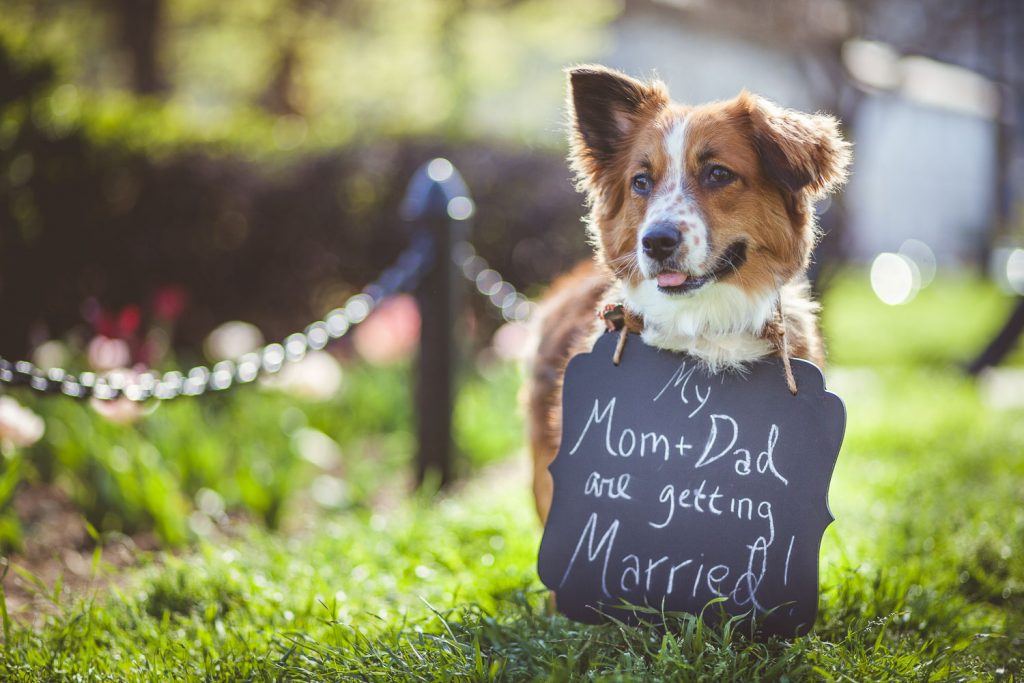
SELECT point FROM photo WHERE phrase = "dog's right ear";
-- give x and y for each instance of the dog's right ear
(606, 107)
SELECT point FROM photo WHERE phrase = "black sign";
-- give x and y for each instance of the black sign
(675, 487)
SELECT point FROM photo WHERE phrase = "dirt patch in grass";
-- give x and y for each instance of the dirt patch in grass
(58, 555)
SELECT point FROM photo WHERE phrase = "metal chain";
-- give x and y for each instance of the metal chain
(503, 295)
(270, 359)
(402, 275)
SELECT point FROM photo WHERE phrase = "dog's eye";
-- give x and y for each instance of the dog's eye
(642, 184)
(717, 176)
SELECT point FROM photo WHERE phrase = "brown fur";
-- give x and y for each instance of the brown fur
(568, 320)
(783, 161)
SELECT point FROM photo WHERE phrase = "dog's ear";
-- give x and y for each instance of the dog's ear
(798, 151)
(606, 107)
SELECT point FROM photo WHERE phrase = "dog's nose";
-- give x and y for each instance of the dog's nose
(661, 241)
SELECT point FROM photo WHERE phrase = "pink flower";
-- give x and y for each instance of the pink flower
(391, 332)
(19, 426)
(106, 353)
(317, 377)
(122, 411)
(512, 341)
(119, 411)
(169, 303)
(232, 340)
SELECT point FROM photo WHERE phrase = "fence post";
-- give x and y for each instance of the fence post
(437, 203)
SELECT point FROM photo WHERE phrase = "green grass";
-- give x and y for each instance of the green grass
(947, 323)
(922, 575)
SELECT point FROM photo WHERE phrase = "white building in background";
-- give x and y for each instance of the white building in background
(924, 132)
(924, 173)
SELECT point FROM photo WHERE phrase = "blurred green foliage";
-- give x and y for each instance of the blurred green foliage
(323, 71)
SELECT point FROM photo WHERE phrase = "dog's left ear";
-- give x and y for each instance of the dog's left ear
(606, 108)
(798, 151)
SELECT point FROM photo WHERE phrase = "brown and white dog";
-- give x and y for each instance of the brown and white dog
(703, 223)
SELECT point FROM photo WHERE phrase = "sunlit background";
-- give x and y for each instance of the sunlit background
(184, 181)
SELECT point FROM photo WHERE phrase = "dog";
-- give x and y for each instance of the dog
(702, 222)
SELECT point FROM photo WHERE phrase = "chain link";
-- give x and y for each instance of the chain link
(513, 305)
(402, 275)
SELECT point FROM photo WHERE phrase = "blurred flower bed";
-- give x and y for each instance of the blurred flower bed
(333, 432)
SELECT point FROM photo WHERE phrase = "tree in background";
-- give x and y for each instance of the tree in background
(454, 67)
(138, 31)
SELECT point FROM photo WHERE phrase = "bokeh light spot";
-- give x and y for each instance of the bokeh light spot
(440, 170)
(923, 257)
(1015, 270)
(894, 278)
(460, 208)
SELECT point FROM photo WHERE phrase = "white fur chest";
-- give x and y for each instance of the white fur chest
(720, 324)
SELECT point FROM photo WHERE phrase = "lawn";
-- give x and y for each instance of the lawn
(922, 574)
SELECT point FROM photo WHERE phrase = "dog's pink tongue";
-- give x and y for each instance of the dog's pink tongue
(671, 279)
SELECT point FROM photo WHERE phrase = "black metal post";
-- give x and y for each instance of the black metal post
(1003, 343)
(437, 203)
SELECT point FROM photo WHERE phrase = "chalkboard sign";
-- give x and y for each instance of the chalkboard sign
(675, 487)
